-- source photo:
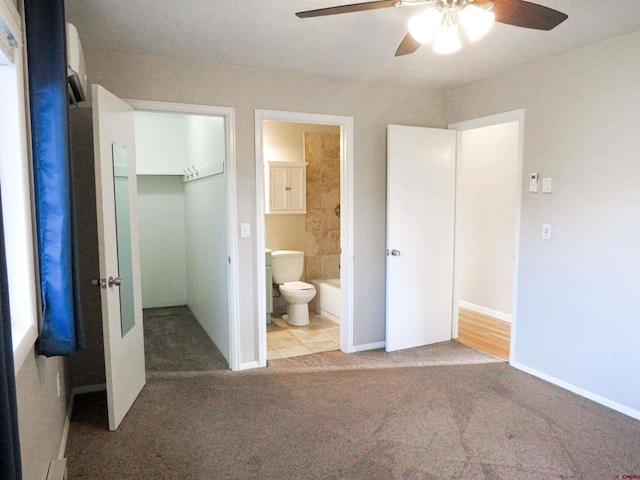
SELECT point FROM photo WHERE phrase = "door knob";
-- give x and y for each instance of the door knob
(117, 281)
(395, 253)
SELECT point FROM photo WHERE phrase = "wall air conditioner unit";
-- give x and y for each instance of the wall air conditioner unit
(76, 70)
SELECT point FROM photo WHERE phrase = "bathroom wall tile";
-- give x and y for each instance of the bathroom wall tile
(331, 243)
(313, 220)
(322, 227)
(312, 243)
(313, 268)
(330, 221)
(331, 266)
(331, 197)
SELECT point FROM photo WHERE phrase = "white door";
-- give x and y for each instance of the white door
(116, 194)
(420, 235)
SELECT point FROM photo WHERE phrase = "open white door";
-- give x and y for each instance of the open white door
(420, 235)
(116, 194)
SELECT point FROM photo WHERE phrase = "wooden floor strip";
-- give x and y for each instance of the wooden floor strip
(484, 333)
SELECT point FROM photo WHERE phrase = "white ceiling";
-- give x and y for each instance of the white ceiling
(266, 33)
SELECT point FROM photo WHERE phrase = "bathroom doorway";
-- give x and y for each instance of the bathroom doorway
(316, 149)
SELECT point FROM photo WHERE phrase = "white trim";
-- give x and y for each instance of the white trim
(232, 206)
(250, 365)
(512, 116)
(67, 421)
(20, 238)
(21, 352)
(369, 346)
(579, 391)
(346, 221)
(484, 310)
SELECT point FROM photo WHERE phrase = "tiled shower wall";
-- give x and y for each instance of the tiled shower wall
(322, 228)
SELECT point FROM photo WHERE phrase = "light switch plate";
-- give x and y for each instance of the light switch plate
(245, 230)
(546, 185)
(546, 231)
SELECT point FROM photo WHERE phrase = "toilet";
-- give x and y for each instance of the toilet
(287, 266)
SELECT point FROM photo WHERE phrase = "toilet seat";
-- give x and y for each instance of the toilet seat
(297, 286)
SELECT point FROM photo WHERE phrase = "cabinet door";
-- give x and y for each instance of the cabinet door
(278, 184)
(297, 189)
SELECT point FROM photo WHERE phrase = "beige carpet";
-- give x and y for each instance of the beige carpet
(463, 421)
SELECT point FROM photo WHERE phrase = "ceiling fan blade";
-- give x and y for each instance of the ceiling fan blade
(356, 7)
(408, 45)
(528, 15)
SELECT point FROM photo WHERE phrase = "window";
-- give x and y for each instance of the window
(16, 190)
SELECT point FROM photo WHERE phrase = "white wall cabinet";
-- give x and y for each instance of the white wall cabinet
(286, 187)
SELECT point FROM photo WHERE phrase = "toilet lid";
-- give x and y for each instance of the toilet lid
(298, 286)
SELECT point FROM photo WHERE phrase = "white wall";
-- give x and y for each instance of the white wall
(161, 150)
(372, 105)
(206, 235)
(577, 312)
(160, 143)
(486, 208)
(162, 240)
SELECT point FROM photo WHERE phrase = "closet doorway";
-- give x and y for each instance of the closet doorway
(318, 150)
(186, 197)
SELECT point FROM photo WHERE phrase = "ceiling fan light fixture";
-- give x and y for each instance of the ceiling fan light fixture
(476, 21)
(423, 26)
(447, 39)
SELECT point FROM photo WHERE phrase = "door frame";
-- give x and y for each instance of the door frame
(346, 221)
(491, 120)
(232, 205)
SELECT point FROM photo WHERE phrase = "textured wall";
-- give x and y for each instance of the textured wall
(322, 228)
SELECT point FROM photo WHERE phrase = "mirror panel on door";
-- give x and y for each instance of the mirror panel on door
(123, 235)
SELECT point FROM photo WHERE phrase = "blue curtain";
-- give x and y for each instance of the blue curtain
(61, 329)
(10, 467)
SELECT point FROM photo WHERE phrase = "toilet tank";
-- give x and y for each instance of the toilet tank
(287, 265)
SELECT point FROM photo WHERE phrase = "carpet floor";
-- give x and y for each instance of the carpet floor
(174, 341)
(484, 420)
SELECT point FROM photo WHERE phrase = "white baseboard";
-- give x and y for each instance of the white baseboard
(580, 391)
(485, 311)
(249, 365)
(67, 421)
(368, 346)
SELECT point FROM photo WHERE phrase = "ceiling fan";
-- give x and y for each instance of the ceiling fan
(439, 21)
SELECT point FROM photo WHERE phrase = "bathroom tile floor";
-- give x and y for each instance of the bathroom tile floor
(284, 340)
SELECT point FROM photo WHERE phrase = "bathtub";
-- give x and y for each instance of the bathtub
(327, 300)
